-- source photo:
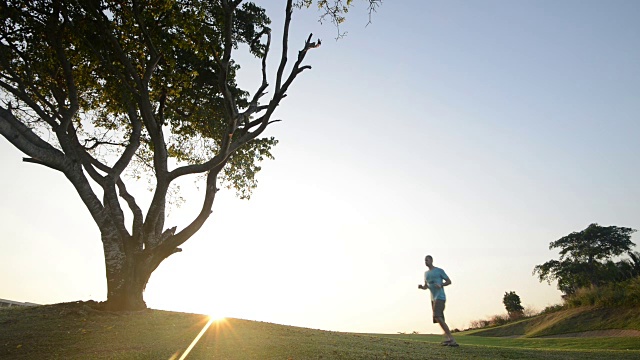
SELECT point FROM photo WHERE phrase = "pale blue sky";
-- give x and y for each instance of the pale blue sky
(477, 132)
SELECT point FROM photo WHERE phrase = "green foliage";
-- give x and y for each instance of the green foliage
(585, 258)
(594, 243)
(629, 268)
(115, 60)
(512, 303)
(243, 166)
(118, 53)
(622, 294)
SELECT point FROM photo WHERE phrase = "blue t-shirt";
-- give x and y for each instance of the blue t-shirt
(433, 277)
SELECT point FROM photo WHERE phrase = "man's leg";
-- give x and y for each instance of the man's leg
(438, 315)
(446, 330)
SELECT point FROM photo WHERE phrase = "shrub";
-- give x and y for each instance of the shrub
(633, 292)
(552, 308)
(626, 293)
(516, 316)
(478, 324)
(496, 320)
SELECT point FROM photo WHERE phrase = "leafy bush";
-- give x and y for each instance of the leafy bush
(625, 294)
(633, 292)
(496, 320)
(478, 324)
(552, 308)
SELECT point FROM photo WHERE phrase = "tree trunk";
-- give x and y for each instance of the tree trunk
(127, 277)
(127, 297)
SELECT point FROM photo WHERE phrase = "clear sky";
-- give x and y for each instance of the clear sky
(477, 132)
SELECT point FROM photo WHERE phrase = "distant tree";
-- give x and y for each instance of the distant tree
(512, 303)
(584, 257)
(106, 92)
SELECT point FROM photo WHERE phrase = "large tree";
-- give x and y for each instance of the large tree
(584, 257)
(99, 90)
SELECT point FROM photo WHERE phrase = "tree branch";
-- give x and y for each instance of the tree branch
(285, 45)
(184, 235)
(23, 138)
(55, 31)
(138, 217)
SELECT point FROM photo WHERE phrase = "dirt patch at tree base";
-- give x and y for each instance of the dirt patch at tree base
(598, 333)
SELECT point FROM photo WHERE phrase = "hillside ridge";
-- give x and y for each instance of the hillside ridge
(574, 322)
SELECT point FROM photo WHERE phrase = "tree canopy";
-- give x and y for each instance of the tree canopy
(107, 91)
(586, 257)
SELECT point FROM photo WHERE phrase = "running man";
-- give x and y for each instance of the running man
(435, 279)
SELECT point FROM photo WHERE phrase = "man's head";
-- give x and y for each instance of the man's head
(428, 260)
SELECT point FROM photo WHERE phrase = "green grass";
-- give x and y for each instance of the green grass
(76, 331)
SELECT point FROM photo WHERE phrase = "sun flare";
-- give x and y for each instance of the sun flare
(216, 316)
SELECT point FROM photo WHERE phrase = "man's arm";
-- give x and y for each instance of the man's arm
(446, 282)
(423, 287)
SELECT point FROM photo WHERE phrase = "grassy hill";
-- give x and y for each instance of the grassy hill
(77, 331)
(570, 321)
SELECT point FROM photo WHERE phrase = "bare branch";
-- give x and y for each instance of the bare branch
(285, 45)
(184, 235)
(301, 55)
(29, 143)
(43, 153)
(97, 142)
(39, 162)
(253, 105)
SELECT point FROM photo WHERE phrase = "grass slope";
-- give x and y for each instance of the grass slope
(76, 331)
(568, 321)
